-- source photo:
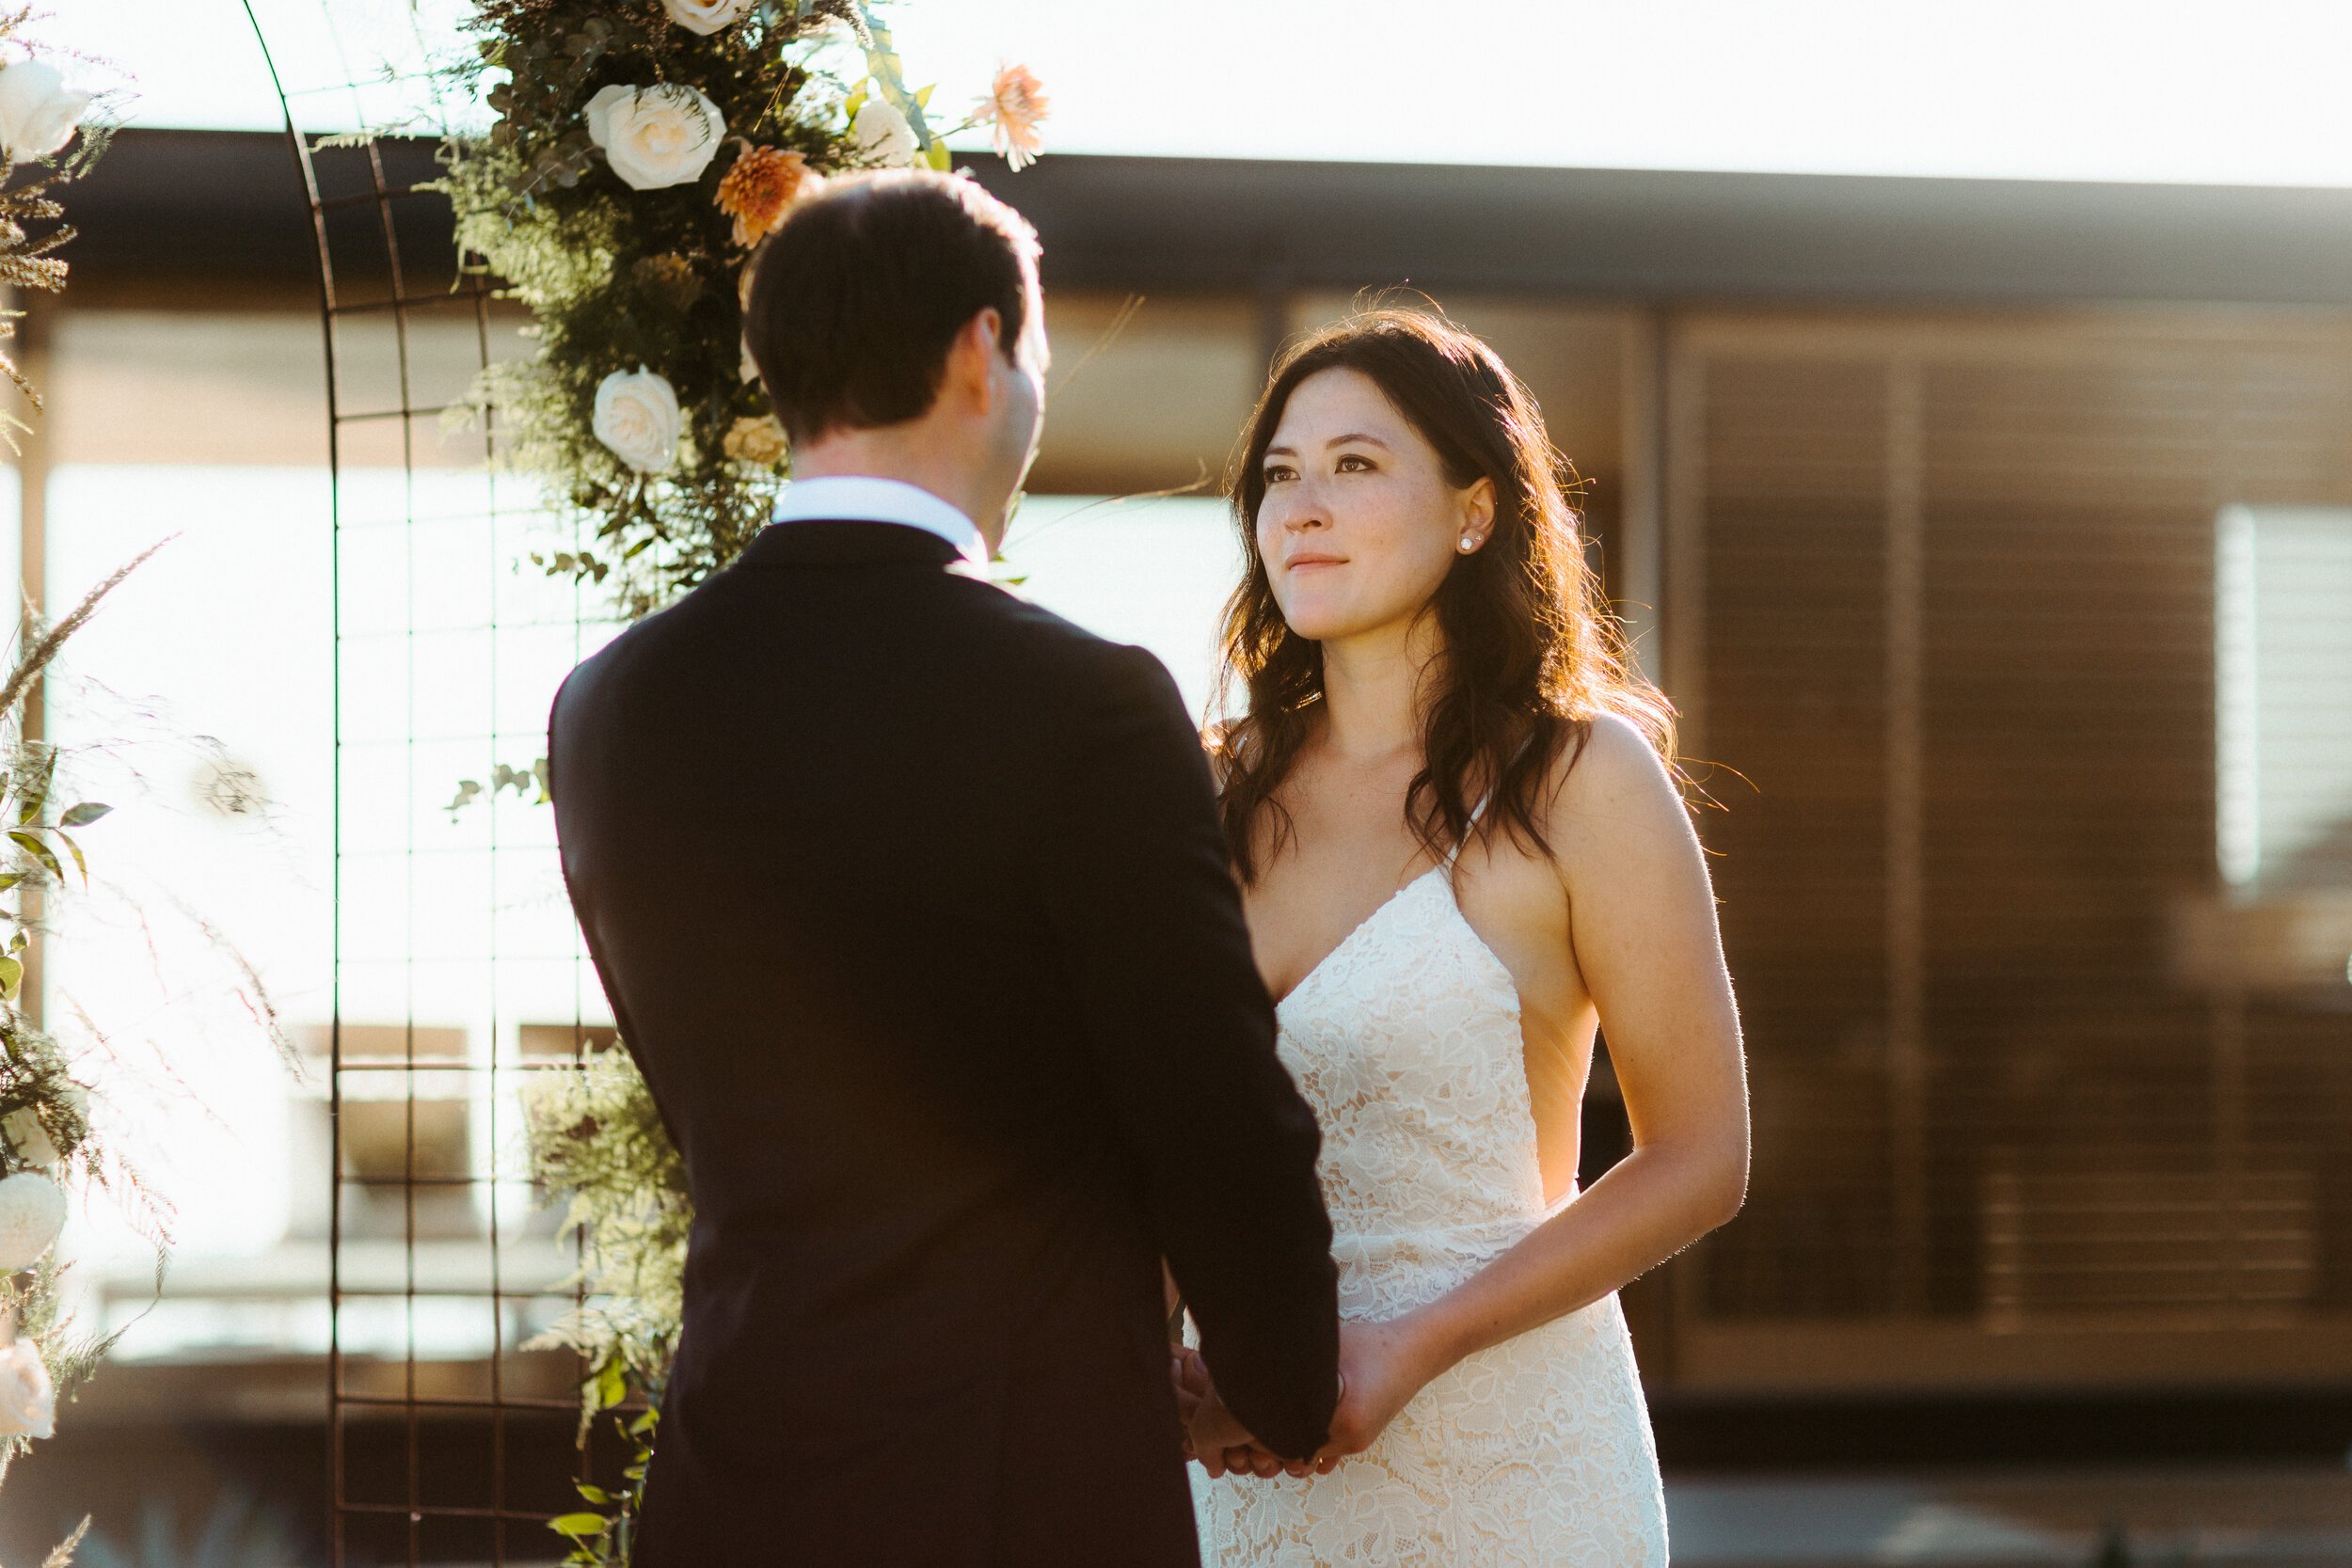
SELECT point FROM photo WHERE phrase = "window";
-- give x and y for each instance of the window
(2282, 662)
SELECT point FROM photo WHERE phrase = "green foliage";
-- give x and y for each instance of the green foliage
(35, 1080)
(44, 1113)
(28, 259)
(45, 1123)
(618, 278)
(529, 784)
(605, 1539)
(598, 1145)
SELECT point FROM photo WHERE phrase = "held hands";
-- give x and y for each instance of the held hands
(1382, 1366)
(1213, 1435)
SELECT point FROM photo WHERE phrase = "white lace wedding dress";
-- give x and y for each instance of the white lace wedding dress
(1535, 1454)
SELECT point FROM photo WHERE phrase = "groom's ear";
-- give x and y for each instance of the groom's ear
(970, 373)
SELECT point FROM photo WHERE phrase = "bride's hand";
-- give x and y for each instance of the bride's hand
(1190, 1376)
(1212, 1434)
(1382, 1367)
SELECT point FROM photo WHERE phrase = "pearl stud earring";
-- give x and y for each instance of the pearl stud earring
(1468, 544)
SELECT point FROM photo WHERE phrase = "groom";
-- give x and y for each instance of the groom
(910, 902)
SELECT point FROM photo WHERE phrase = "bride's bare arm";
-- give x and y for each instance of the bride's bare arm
(1642, 919)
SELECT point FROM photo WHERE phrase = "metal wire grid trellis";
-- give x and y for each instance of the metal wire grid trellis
(448, 1441)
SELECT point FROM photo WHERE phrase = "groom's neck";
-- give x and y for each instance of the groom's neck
(914, 454)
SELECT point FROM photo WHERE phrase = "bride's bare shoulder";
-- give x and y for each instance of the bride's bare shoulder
(1612, 783)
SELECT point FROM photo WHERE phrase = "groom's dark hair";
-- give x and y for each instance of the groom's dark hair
(857, 296)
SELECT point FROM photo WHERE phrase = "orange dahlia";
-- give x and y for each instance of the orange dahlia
(1015, 105)
(761, 188)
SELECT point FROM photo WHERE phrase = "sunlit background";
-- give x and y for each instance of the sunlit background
(2245, 93)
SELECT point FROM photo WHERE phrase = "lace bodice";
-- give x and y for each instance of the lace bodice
(1535, 1454)
(1405, 1040)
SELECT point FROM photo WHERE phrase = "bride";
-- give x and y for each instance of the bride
(1461, 853)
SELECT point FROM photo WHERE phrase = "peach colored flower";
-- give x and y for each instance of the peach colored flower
(1015, 105)
(762, 187)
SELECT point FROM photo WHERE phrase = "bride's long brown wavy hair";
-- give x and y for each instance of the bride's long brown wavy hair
(1528, 654)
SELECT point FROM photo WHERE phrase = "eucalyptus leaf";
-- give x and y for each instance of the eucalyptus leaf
(39, 851)
(76, 850)
(881, 58)
(576, 1524)
(37, 792)
(12, 978)
(83, 814)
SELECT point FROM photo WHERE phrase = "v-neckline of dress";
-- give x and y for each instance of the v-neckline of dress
(1361, 926)
(1354, 932)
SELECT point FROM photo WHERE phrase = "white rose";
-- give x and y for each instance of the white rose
(664, 135)
(883, 136)
(637, 416)
(27, 1137)
(705, 16)
(28, 1400)
(38, 111)
(32, 1211)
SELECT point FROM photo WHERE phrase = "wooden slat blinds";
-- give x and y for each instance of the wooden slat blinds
(1942, 593)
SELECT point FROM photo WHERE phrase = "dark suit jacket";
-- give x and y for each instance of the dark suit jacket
(910, 903)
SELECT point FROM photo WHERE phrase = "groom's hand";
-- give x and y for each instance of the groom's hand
(1216, 1437)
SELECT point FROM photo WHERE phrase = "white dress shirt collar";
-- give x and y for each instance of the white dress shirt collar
(859, 498)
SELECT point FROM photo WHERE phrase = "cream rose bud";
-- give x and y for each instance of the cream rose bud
(705, 16)
(883, 136)
(756, 438)
(655, 136)
(637, 416)
(27, 1138)
(28, 1400)
(38, 111)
